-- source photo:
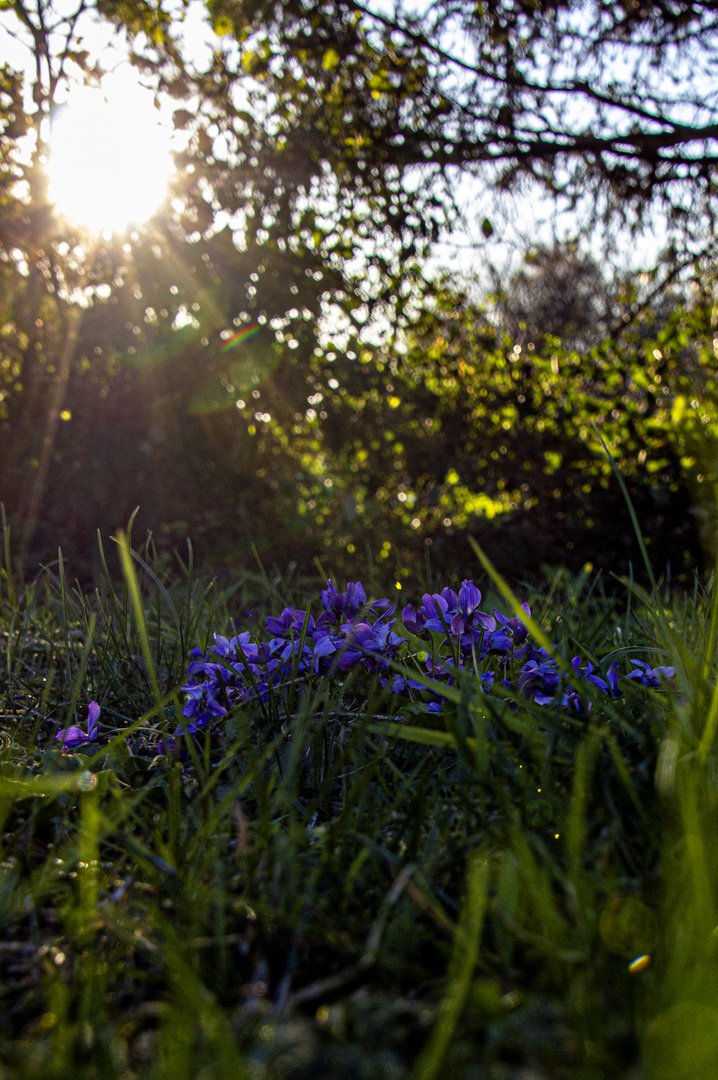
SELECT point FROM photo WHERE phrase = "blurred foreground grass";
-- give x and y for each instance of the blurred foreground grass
(310, 896)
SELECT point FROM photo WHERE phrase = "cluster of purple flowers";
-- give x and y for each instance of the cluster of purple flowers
(352, 631)
(505, 642)
(349, 632)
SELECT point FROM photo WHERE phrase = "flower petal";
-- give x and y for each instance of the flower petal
(93, 715)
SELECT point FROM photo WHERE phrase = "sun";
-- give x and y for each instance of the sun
(109, 161)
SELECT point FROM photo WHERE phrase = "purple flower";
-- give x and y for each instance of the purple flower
(198, 664)
(444, 669)
(201, 706)
(457, 614)
(236, 647)
(355, 598)
(487, 680)
(435, 610)
(291, 650)
(291, 620)
(75, 736)
(656, 677)
(342, 605)
(589, 674)
(369, 644)
(519, 630)
(527, 651)
(612, 680)
(608, 686)
(497, 642)
(440, 666)
(223, 648)
(467, 616)
(572, 700)
(323, 648)
(539, 680)
(414, 621)
(348, 606)
(400, 685)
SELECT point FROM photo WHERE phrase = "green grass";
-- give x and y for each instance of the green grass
(327, 887)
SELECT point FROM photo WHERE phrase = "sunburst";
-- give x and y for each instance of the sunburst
(109, 161)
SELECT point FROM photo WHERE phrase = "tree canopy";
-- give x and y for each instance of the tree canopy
(266, 359)
(609, 106)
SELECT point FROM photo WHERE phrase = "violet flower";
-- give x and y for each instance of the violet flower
(201, 706)
(656, 678)
(539, 681)
(414, 621)
(74, 736)
(436, 610)
(466, 616)
(341, 605)
(290, 621)
(589, 674)
(517, 626)
(370, 645)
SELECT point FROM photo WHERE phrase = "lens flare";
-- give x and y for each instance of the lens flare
(240, 337)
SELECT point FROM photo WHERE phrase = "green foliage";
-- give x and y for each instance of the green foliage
(457, 426)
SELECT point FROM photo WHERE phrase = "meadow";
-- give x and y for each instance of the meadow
(336, 842)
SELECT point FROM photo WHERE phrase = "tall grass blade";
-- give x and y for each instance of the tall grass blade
(461, 969)
(515, 604)
(631, 510)
(6, 571)
(138, 607)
